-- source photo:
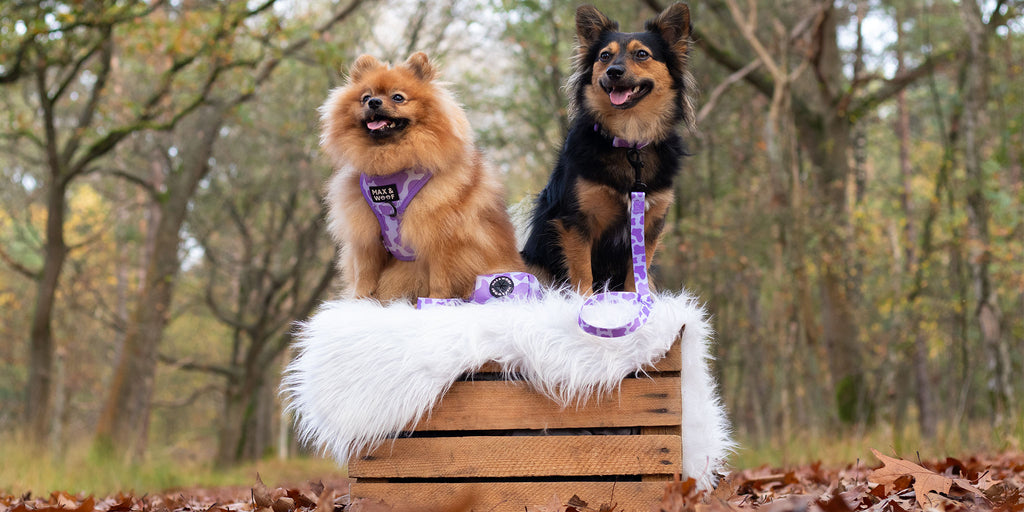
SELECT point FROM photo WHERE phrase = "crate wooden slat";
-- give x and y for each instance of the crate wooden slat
(483, 448)
(509, 496)
(516, 456)
(494, 405)
(670, 363)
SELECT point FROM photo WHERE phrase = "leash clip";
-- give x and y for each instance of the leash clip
(633, 157)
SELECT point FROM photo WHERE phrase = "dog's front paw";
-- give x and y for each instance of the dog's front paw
(584, 289)
(364, 291)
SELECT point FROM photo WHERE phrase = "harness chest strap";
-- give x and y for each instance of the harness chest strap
(388, 197)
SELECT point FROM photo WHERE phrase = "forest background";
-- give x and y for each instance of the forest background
(852, 213)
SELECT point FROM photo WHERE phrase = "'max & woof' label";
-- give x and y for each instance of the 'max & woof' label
(384, 194)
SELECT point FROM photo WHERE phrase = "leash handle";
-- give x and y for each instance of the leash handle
(642, 299)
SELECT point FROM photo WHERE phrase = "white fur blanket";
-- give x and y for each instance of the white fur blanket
(364, 371)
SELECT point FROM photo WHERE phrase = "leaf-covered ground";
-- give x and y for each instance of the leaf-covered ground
(975, 483)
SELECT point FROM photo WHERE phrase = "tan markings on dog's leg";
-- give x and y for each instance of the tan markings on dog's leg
(602, 205)
(402, 280)
(497, 251)
(450, 277)
(367, 263)
(576, 249)
(630, 284)
(650, 248)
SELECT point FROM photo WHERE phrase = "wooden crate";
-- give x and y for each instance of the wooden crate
(495, 446)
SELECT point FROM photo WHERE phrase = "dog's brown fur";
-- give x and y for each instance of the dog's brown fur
(457, 224)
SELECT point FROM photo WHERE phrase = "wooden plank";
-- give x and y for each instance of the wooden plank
(521, 456)
(505, 496)
(672, 362)
(673, 430)
(500, 405)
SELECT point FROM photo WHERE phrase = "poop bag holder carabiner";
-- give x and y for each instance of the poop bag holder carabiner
(641, 299)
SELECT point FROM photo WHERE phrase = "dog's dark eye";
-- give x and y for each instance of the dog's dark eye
(397, 98)
(642, 55)
(605, 56)
(365, 98)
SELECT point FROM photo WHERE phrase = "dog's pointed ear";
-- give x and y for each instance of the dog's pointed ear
(674, 26)
(363, 64)
(421, 66)
(590, 24)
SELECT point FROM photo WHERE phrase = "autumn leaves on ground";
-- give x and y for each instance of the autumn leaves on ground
(993, 483)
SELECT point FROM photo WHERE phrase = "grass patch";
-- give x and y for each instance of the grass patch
(852, 444)
(78, 470)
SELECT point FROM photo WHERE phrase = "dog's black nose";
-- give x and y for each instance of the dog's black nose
(375, 103)
(615, 72)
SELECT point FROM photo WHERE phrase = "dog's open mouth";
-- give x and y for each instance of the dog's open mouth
(380, 126)
(623, 97)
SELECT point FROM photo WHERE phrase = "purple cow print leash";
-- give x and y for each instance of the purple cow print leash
(642, 299)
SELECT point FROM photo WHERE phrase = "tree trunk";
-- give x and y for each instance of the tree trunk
(828, 143)
(922, 381)
(231, 434)
(126, 413)
(39, 392)
(125, 416)
(826, 134)
(247, 423)
(988, 315)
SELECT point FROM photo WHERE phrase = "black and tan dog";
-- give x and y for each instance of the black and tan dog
(628, 94)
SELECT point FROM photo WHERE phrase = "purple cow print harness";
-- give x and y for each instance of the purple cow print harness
(389, 196)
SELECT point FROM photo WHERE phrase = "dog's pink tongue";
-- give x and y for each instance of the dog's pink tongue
(376, 125)
(620, 96)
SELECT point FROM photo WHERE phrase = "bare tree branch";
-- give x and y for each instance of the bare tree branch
(148, 187)
(14, 68)
(860, 106)
(191, 365)
(188, 400)
(18, 266)
(85, 118)
(268, 66)
(720, 89)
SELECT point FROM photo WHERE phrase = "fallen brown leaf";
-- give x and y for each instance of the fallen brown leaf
(553, 505)
(925, 480)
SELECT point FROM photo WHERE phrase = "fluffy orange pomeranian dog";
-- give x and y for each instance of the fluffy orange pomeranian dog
(414, 207)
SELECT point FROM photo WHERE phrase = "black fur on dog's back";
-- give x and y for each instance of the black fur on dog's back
(589, 162)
